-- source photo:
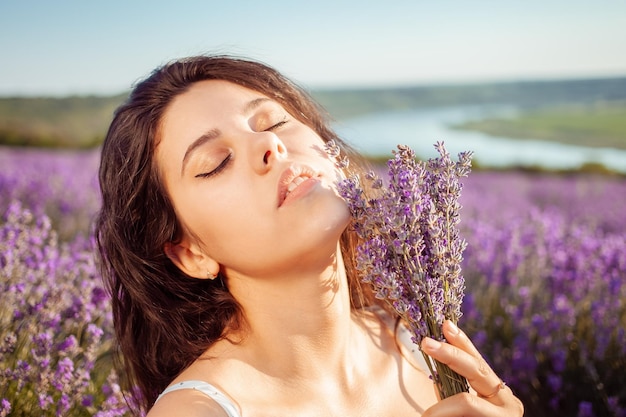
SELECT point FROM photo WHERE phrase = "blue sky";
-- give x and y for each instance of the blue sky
(81, 47)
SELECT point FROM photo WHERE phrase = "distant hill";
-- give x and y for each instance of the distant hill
(82, 121)
(526, 94)
(77, 121)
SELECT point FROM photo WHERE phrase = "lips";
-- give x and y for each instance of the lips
(293, 184)
(291, 178)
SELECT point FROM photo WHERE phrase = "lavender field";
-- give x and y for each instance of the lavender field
(545, 271)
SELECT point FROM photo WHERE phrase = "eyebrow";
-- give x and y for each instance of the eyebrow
(208, 136)
(253, 104)
(215, 133)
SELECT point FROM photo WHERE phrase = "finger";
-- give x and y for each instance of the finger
(458, 338)
(462, 357)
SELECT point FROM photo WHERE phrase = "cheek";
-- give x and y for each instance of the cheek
(216, 218)
(204, 216)
(227, 224)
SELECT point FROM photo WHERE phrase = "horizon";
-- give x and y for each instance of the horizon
(78, 49)
(354, 88)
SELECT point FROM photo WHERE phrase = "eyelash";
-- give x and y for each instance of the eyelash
(277, 125)
(217, 170)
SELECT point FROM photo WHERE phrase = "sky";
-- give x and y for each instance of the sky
(59, 48)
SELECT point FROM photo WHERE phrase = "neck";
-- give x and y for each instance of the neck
(304, 318)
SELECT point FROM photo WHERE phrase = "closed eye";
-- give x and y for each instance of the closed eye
(277, 125)
(218, 169)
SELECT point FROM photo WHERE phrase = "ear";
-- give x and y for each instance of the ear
(191, 260)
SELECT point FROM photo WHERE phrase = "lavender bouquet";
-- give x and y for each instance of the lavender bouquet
(410, 250)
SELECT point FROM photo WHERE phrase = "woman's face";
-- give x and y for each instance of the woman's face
(249, 181)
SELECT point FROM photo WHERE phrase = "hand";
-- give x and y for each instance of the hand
(494, 399)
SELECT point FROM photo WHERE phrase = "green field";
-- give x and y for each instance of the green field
(66, 122)
(594, 125)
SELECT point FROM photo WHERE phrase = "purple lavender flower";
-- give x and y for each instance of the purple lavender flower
(545, 268)
(63, 406)
(411, 250)
(69, 345)
(64, 374)
(45, 401)
(53, 352)
(585, 409)
(5, 407)
(545, 264)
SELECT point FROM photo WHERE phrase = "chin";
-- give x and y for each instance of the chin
(333, 220)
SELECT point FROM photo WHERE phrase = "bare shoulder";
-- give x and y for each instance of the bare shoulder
(187, 402)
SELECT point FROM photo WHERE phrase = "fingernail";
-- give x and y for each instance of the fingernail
(452, 328)
(430, 344)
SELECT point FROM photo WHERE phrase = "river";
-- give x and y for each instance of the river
(379, 133)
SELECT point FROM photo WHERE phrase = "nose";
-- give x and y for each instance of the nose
(268, 148)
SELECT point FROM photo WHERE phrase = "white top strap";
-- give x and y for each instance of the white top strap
(410, 350)
(207, 389)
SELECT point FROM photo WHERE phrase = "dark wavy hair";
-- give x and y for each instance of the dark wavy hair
(164, 319)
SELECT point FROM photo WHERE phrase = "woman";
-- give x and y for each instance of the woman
(225, 247)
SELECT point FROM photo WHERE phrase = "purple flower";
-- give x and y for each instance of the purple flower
(68, 345)
(87, 401)
(63, 405)
(545, 265)
(5, 407)
(64, 374)
(45, 400)
(99, 297)
(54, 319)
(411, 250)
(42, 344)
(585, 409)
(94, 332)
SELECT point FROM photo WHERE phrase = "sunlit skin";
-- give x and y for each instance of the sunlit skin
(226, 155)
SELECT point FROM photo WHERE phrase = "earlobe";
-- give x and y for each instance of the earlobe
(191, 261)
